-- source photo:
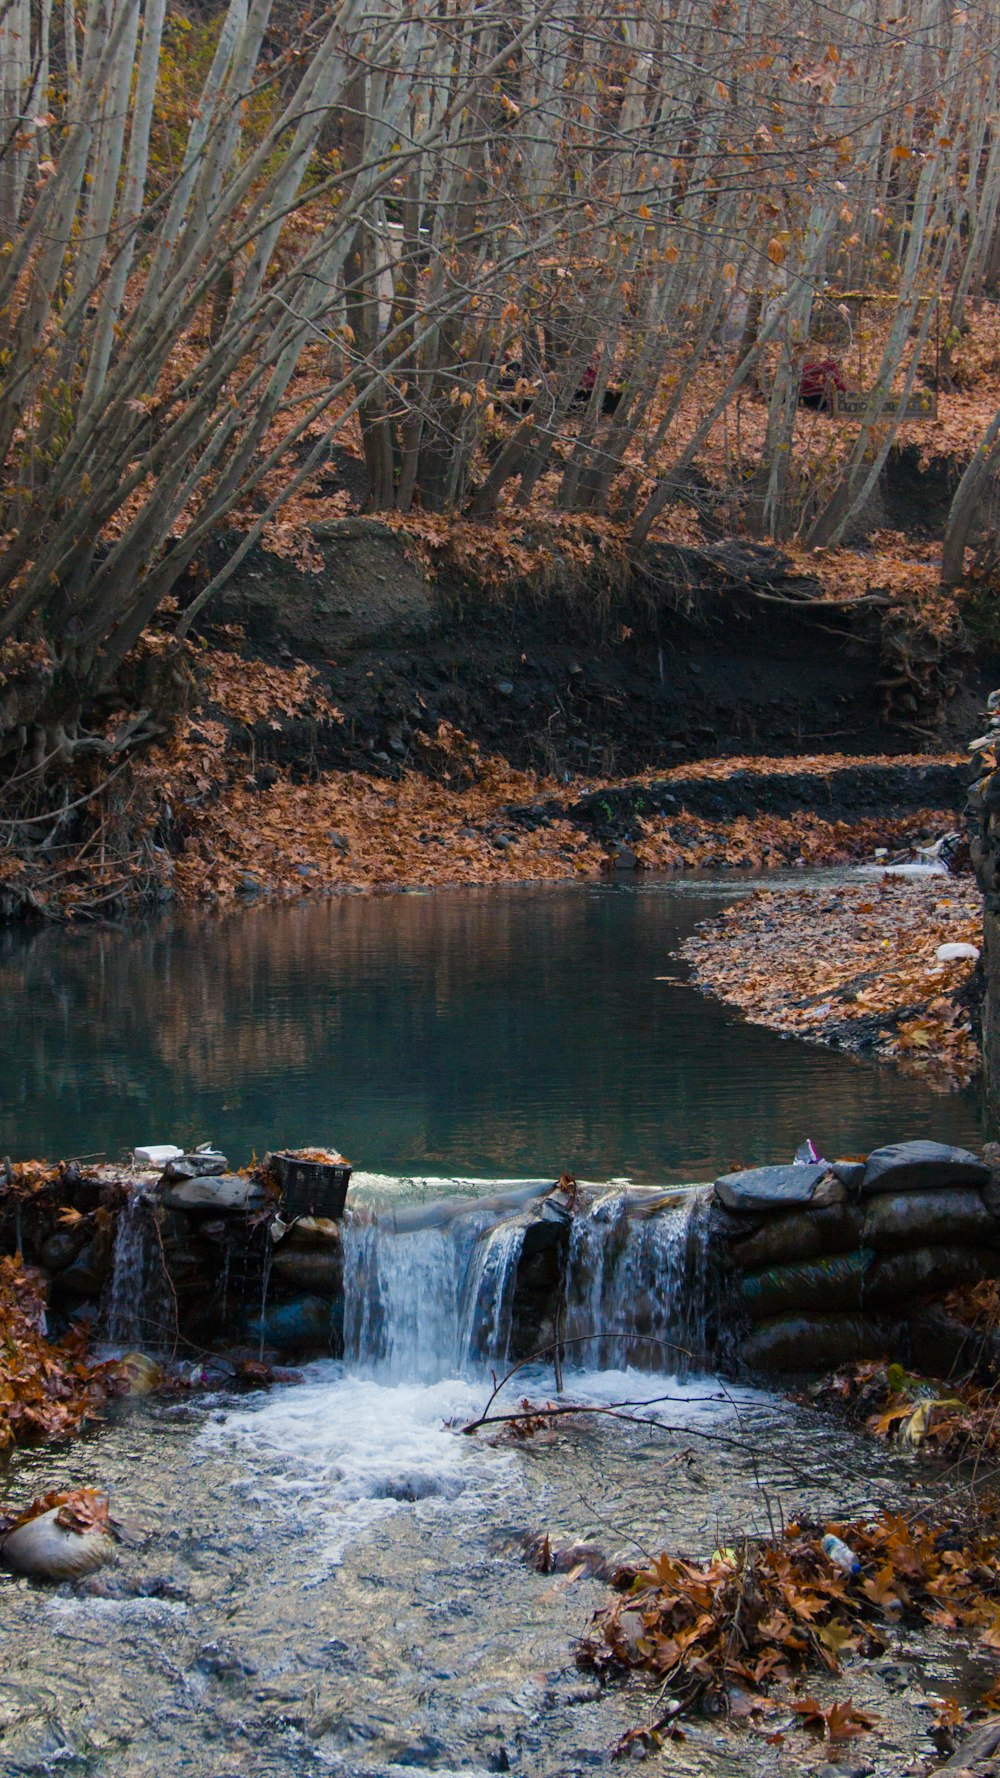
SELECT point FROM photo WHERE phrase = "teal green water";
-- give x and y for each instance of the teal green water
(508, 1032)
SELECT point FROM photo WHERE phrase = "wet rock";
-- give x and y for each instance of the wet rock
(45, 1550)
(60, 1250)
(779, 1188)
(921, 1166)
(86, 1276)
(208, 1163)
(229, 1191)
(850, 1174)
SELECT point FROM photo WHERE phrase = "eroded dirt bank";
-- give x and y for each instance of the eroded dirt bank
(370, 727)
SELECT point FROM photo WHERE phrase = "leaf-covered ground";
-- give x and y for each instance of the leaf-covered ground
(47, 1391)
(855, 964)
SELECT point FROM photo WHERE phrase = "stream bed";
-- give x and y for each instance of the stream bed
(329, 1577)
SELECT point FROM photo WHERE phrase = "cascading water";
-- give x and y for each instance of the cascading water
(636, 1286)
(429, 1303)
(138, 1309)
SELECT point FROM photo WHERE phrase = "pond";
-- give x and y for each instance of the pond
(494, 1033)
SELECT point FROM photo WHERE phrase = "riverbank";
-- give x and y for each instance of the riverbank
(857, 966)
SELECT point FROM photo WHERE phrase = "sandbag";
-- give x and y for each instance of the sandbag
(304, 1322)
(897, 1277)
(803, 1234)
(812, 1342)
(912, 1219)
(921, 1166)
(822, 1285)
(46, 1550)
(309, 1268)
(773, 1189)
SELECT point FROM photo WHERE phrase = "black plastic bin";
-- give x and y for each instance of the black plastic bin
(312, 1188)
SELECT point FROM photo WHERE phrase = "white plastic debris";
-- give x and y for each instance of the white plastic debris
(156, 1154)
(957, 953)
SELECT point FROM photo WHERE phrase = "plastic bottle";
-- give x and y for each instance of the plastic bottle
(840, 1554)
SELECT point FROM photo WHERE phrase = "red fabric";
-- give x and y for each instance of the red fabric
(818, 376)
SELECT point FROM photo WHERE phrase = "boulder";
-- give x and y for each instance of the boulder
(45, 1550)
(771, 1189)
(228, 1191)
(921, 1166)
(915, 1218)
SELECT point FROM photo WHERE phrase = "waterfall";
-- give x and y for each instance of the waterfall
(432, 1302)
(636, 1286)
(139, 1310)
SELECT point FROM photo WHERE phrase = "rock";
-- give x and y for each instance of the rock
(304, 1322)
(85, 1277)
(850, 1174)
(625, 859)
(45, 1550)
(202, 1163)
(779, 1188)
(921, 1166)
(60, 1250)
(915, 1218)
(180, 1169)
(230, 1191)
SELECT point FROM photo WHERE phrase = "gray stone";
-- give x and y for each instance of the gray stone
(779, 1188)
(230, 1191)
(850, 1174)
(921, 1166)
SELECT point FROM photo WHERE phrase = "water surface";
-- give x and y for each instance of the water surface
(466, 1032)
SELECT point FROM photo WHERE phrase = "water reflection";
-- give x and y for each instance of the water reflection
(502, 1032)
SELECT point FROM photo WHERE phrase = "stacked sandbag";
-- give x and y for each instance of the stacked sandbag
(823, 1256)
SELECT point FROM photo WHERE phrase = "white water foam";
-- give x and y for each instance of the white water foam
(342, 1452)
